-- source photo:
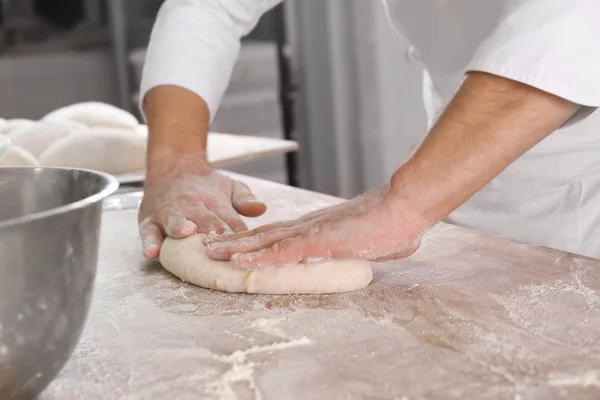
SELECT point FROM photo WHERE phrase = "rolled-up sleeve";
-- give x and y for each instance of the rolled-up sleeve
(195, 44)
(553, 45)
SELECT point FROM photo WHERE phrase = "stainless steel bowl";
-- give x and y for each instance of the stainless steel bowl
(49, 237)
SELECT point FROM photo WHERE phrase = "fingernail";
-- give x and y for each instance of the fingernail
(151, 251)
(250, 199)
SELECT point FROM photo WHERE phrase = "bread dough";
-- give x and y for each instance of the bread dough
(18, 157)
(187, 259)
(95, 114)
(36, 138)
(114, 151)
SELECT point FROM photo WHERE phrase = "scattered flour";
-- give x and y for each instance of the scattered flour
(269, 326)
(585, 379)
(242, 371)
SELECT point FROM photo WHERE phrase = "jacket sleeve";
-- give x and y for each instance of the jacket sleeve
(195, 44)
(553, 45)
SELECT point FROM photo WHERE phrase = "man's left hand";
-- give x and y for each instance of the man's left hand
(375, 226)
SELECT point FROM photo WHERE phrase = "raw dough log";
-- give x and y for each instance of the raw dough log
(18, 157)
(114, 151)
(186, 259)
(95, 114)
(13, 124)
(36, 138)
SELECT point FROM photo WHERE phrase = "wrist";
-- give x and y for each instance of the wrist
(178, 124)
(166, 160)
(170, 152)
(405, 209)
(422, 195)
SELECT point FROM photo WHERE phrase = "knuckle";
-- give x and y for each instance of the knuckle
(192, 198)
(263, 236)
(276, 248)
(238, 183)
(162, 210)
(145, 222)
(311, 231)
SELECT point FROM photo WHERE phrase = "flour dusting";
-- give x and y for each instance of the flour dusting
(242, 371)
(585, 379)
(269, 326)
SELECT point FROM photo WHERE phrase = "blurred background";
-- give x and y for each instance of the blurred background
(332, 75)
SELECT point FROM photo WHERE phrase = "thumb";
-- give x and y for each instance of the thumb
(152, 238)
(245, 202)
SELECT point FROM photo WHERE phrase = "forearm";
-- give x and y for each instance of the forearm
(190, 57)
(178, 124)
(489, 124)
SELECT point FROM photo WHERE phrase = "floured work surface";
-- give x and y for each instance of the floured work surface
(467, 317)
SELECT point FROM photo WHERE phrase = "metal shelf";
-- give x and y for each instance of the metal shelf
(117, 16)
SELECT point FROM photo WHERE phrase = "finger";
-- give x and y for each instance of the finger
(177, 226)
(152, 239)
(207, 221)
(286, 252)
(250, 244)
(230, 217)
(253, 232)
(265, 228)
(245, 202)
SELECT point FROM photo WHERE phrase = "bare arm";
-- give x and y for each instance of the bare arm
(190, 58)
(178, 122)
(550, 46)
(489, 124)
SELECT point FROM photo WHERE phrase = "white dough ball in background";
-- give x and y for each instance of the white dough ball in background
(36, 138)
(13, 124)
(114, 151)
(95, 114)
(142, 129)
(18, 157)
(3, 123)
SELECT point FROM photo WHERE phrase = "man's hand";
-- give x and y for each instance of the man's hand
(183, 194)
(490, 123)
(187, 197)
(375, 226)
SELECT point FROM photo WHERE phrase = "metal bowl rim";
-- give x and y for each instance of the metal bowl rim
(112, 184)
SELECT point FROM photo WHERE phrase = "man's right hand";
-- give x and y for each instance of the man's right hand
(184, 196)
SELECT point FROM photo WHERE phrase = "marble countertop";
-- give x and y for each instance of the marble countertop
(469, 316)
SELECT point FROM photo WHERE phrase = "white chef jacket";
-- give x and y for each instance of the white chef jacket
(546, 197)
